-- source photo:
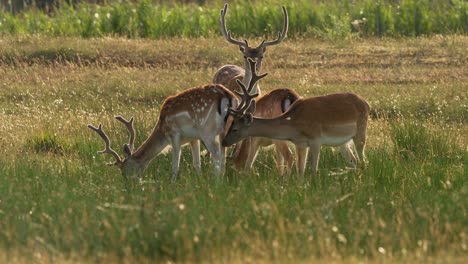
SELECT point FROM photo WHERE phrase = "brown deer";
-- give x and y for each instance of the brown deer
(198, 113)
(269, 105)
(274, 104)
(334, 119)
(228, 74)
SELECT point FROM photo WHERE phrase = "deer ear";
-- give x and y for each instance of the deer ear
(242, 49)
(285, 105)
(127, 151)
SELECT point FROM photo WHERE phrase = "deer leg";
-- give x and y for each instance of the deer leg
(222, 151)
(195, 144)
(284, 158)
(348, 154)
(236, 150)
(175, 156)
(279, 159)
(315, 156)
(239, 160)
(215, 150)
(301, 154)
(252, 153)
(360, 139)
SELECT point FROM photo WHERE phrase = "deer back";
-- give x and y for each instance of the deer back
(275, 103)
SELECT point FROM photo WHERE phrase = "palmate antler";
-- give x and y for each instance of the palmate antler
(246, 97)
(108, 149)
(227, 33)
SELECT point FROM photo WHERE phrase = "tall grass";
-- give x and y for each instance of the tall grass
(59, 202)
(392, 208)
(328, 19)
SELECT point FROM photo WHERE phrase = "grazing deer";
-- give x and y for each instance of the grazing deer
(228, 74)
(269, 105)
(198, 113)
(333, 119)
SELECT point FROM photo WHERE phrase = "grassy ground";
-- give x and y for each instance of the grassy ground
(59, 202)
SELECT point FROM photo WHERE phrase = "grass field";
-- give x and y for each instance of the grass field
(60, 203)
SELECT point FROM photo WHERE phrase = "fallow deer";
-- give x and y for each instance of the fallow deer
(228, 74)
(271, 104)
(333, 119)
(198, 113)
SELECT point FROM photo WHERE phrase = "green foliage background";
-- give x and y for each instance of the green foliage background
(160, 19)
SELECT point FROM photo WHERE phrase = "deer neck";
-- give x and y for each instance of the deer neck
(248, 76)
(152, 146)
(275, 128)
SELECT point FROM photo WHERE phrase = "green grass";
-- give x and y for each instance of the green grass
(324, 19)
(59, 202)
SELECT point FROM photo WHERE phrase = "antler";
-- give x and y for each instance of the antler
(255, 78)
(131, 130)
(227, 33)
(281, 34)
(107, 148)
(246, 100)
(246, 97)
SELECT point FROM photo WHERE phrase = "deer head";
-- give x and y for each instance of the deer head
(254, 53)
(128, 166)
(242, 115)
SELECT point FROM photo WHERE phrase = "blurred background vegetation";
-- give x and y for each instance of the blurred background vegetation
(200, 18)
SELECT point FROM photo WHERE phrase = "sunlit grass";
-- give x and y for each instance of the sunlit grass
(59, 201)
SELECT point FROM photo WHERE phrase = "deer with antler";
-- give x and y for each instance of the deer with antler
(334, 119)
(195, 114)
(271, 105)
(228, 75)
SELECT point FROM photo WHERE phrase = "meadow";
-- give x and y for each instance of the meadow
(59, 202)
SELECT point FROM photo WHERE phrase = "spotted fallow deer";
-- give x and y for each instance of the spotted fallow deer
(333, 119)
(228, 74)
(198, 113)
